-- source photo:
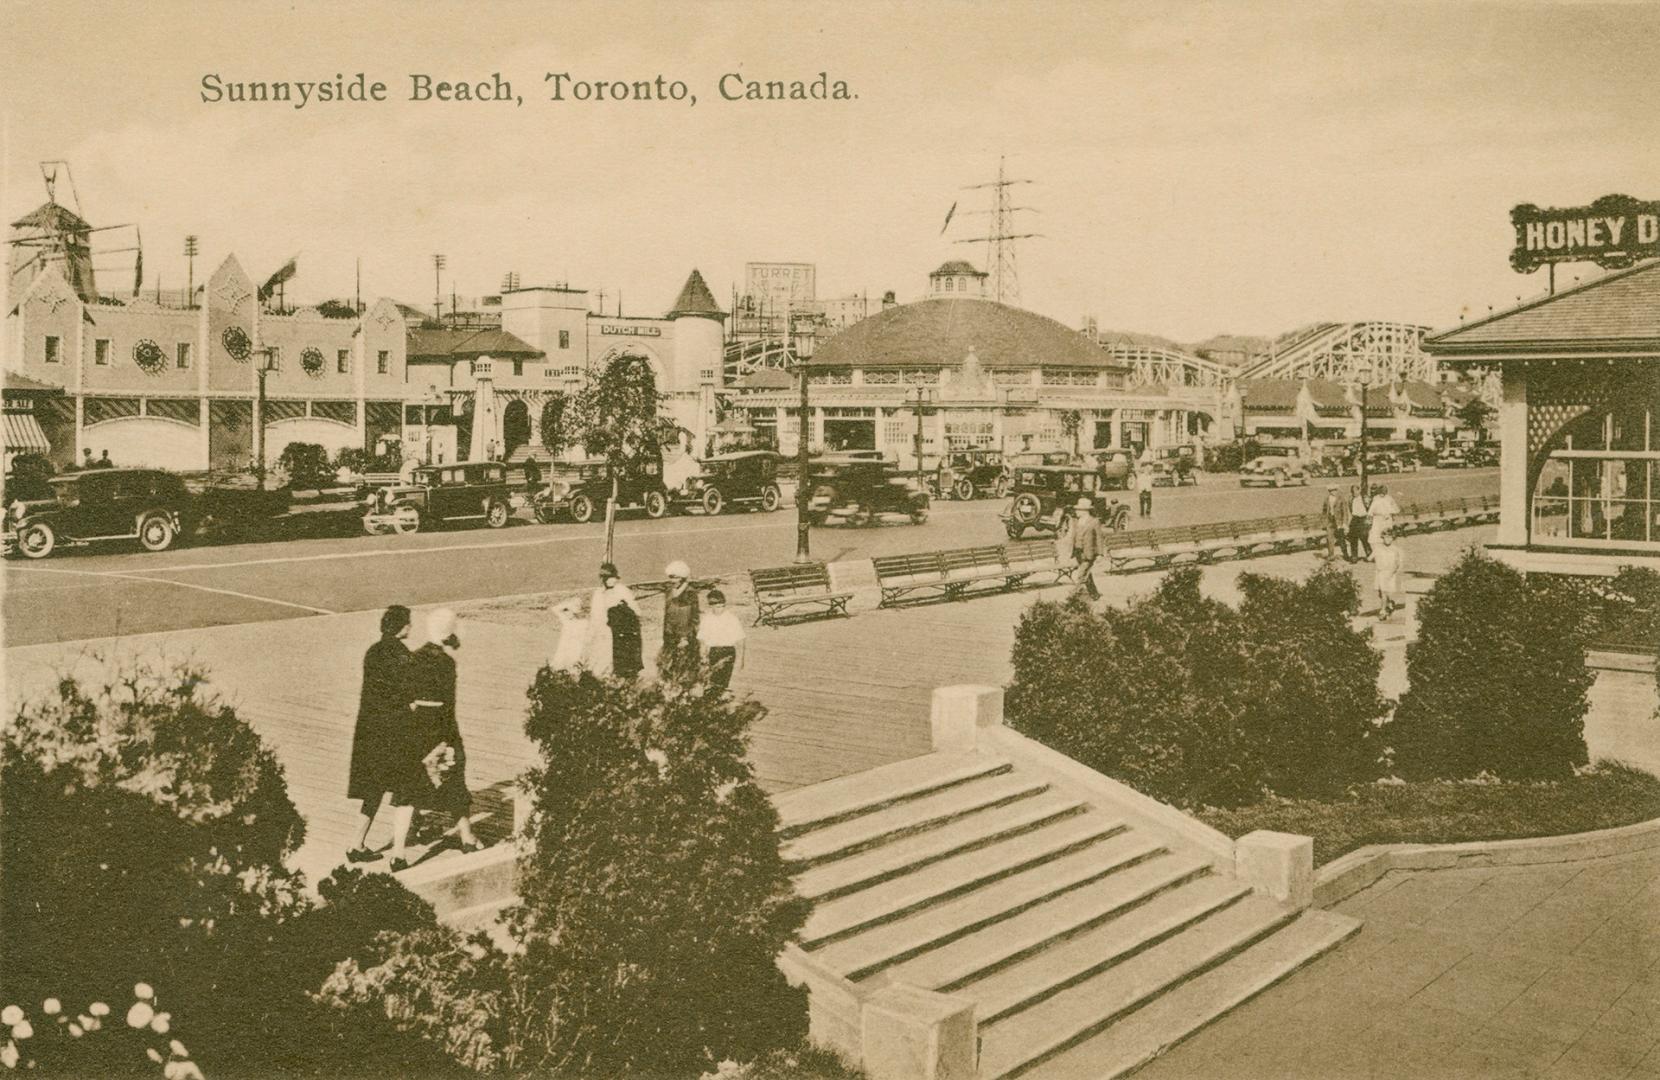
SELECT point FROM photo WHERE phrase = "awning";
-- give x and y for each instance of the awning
(23, 435)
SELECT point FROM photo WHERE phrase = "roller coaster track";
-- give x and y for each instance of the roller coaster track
(1335, 350)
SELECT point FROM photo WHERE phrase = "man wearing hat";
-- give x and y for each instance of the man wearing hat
(680, 617)
(1086, 545)
(1335, 513)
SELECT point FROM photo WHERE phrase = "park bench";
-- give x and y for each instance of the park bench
(949, 575)
(912, 576)
(1155, 547)
(1025, 558)
(806, 585)
(970, 566)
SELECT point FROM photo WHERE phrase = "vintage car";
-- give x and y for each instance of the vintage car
(434, 494)
(857, 490)
(741, 478)
(147, 505)
(1116, 467)
(1483, 455)
(1453, 457)
(968, 474)
(1175, 466)
(581, 491)
(1275, 466)
(1045, 497)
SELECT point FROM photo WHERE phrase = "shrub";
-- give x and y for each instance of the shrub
(362, 461)
(307, 465)
(1497, 679)
(654, 897)
(1188, 700)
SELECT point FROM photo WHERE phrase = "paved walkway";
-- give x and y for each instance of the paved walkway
(1479, 974)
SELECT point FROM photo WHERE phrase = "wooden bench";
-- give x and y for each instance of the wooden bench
(912, 576)
(1156, 547)
(969, 566)
(779, 588)
(1023, 558)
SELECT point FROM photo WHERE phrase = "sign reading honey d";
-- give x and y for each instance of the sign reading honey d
(1612, 232)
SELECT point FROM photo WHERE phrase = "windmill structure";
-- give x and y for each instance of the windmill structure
(1000, 237)
(57, 235)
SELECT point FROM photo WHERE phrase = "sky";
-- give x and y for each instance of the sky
(1196, 168)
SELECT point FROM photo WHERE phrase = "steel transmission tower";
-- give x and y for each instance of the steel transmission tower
(999, 240)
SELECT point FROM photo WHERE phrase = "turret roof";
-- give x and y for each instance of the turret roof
(695, 299)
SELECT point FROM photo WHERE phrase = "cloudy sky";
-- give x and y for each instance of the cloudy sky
(1198, 168)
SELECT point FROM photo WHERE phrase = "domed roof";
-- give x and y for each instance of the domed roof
(958, 266)
(940, 333)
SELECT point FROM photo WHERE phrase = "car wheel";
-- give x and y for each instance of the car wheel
(547, 512)
(156, 533)
(771, 498)
(1278, 479)
(582, 509)
(963, 489)
(1014, 529)
(1001, 487)
(713, 501)
(1027, 508)
(372, 527)
(496, 516)
(919, 516)
(406, 519)
(656, 504)
(37, 541)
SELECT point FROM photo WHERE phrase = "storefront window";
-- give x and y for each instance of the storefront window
(1601, 486)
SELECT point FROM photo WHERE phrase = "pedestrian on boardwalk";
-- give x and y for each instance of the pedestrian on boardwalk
(679, 656)
(720, 632)
(1360, 522)
(533, 476)
(379, 765)
(443, 756)
(1086, 546)
(1388, 561)
(569, 651)
(1384, 509)
(1335, 513)
(1144, 484)
(613, 627)
(104, 461)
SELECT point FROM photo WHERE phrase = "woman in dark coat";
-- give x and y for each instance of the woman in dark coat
(679, 657)
(380, 742)
(442, 756)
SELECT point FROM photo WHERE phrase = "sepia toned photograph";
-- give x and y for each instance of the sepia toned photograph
(747, 540)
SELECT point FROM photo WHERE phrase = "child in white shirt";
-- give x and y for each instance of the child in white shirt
(720, 633)
(1387, 561)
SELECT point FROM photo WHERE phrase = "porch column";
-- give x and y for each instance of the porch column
(1514, 527)
(1115, 425)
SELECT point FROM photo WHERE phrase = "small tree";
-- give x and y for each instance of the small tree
(618, 416)
(655, 899)
(1473, 415)
(1497, 678)
(1072, 426)
(307, 465)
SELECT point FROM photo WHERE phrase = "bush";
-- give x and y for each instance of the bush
(1497, 679)
(654, 897)
(306, 464)
(1190, 701)
(361, 461)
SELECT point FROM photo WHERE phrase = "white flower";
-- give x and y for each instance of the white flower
(98, 1008)
(178, 1049)
(8, 1056)
(75, 1030)
(140, 1015)
(22, 1030)
(10, 1015)
(153, 1054)
(51, 1006)
(161, 1023)
(181, 1070)
(659, 759)
(143, 992)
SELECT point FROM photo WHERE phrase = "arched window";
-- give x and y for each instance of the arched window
(949, 282)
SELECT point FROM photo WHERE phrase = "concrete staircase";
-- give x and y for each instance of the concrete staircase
(1088, 939)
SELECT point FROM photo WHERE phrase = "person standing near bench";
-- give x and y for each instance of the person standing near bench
(1384, 509)
(680, 618)
(1360, 522)
(1388, 562)
(1335, 513)
(1086, 546)
(383, 762)
(720, 632)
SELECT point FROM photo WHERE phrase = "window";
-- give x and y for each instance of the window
(1601, 485)
(564, 339)
(101, 352)
(276, 359)
(950, 284)
(54, 349)
(343, 361)
(181, 356)
(518, 367)
(383, 362)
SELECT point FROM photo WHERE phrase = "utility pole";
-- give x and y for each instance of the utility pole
(437, 289)
(999, 240)
(802, 522)
(921, 396)
(190, 254)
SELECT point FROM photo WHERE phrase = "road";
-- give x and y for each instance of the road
(109, 591)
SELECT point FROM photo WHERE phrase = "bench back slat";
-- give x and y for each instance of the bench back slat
(788, 580)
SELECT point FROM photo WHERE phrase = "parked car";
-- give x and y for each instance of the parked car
(1176, 465)
(580, 492)
(742, 477)
(147, 505)
(969, 474)
(1116, 467)
(1045, 497)
(858, 490)
(1452, 457)
(1275, 466)
(1483, 455)
(435, 494)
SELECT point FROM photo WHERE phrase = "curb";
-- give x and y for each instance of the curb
(1342, 878)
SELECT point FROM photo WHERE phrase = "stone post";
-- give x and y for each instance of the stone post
(959, 712)
(913, 1034)
(1278, 865)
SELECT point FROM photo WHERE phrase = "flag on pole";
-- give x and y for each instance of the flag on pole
(948, 215)
(271, 283)
(138, 271)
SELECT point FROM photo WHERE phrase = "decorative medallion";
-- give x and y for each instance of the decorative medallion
(386, 320)
(53, 298)
(311, 361)
(149, 357)
(235, 340)
(232, 293)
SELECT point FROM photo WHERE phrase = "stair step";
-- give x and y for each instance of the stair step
(865, 954)
(973, 959)
(929, 811)
(1150, 1031)
(911, 853)
(821, 805)
(1044, 828)
(1094, 996)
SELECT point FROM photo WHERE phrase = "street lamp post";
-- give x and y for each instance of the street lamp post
(263, 366)
(1363, 376)
(803, 524)
(921, 397)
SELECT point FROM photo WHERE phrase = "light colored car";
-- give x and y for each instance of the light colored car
(1276, 466)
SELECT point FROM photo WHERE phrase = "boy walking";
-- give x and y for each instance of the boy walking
(720, 632)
